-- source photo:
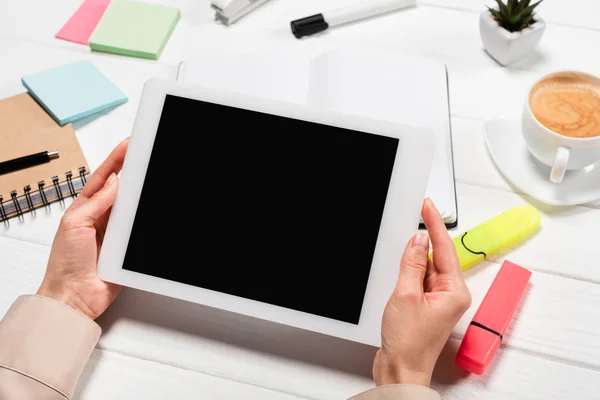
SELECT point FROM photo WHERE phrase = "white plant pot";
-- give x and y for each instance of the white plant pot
(507, 47)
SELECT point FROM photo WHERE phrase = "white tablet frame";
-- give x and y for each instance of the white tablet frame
(399, 222)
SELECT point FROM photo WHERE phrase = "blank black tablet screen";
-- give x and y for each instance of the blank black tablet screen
(268, 208)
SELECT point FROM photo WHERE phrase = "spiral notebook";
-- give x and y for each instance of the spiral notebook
(374, 83)
(25, 128)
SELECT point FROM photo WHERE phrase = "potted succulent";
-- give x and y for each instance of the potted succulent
(511, 31)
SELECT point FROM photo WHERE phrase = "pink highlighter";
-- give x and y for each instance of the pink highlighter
(484, 334)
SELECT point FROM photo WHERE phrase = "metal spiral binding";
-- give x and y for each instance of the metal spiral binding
(13, 196)
(69, 176)
(56, 184)
(82, 172)
(27, 190)
(2, 210)
(19, 206)
(41, 185)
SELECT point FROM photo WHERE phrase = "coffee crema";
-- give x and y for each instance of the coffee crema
(568, 103)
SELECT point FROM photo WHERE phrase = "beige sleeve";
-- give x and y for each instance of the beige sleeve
(398, 392)
(44, 346)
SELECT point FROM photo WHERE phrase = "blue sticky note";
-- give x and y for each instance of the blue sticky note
(73, 91)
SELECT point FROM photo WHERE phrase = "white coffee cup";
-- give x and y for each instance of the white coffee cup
(562, 153)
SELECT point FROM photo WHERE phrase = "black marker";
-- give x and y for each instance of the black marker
(361, 10)
(27, 161)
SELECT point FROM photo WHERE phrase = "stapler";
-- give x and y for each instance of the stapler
(229, 11)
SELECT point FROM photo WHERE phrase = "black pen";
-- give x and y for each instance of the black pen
(27, 161)
(353, 12)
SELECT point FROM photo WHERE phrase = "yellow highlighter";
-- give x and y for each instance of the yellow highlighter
(499, 233)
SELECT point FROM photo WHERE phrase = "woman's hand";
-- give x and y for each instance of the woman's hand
(71, 272)
(429, 299)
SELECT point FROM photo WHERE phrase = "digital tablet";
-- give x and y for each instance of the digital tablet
(272, 210)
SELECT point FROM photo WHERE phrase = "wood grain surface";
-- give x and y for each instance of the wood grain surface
(155, 347)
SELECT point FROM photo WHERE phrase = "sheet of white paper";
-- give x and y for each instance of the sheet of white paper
(281, 77)
(386, 85)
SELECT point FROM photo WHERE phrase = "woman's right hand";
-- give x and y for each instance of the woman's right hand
(71, 272)
(429, 299)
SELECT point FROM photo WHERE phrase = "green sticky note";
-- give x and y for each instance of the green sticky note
(134, 29)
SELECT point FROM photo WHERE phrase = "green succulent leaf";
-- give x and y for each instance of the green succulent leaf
(533, 6)
(496, 14)
(523, 5)
(502, 7)
(523, 15)
(514, 15)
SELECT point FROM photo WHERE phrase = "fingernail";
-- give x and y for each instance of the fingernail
(110, 180)
(420, 240)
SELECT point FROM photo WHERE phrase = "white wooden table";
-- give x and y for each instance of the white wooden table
(157, 348)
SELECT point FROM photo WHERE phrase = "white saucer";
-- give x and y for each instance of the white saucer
(507, 148)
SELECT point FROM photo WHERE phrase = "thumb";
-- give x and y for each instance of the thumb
(414, 265)
(101, 201)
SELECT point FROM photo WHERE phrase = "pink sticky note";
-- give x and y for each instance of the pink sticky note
(81, 25)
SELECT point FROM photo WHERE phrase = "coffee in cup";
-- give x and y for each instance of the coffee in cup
(561, 121)
(568, 104)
